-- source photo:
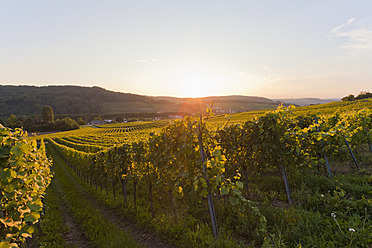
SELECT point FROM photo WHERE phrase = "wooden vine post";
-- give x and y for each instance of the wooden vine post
(286, 182)
(209, 196)
(282, 167)
(352, 154)
(325, 154)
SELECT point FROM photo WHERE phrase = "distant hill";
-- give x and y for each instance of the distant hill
(29, 100)
(68, 100)
(307, 101)
(222, 104)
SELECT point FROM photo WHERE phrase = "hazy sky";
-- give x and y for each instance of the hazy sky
(276, 49)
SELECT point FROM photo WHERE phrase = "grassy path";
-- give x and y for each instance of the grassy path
(74, 236)
(99, 232)
(57, 227)
(98, 225)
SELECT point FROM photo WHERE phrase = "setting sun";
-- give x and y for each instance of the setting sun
(195, 86)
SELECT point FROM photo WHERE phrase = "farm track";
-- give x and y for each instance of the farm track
(77, 238)
(74, 237)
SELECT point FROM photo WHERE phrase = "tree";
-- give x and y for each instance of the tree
(66, 124)
(348, 98)
(364, 95)
(47, 114)
(29, 124)
(81, 121)
(119, 119)
(13, 122)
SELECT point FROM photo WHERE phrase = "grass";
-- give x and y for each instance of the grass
(308, 222)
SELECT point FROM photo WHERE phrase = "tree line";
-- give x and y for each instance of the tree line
(43, 123)
(362, 95)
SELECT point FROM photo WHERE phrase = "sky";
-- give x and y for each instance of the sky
(190, 48)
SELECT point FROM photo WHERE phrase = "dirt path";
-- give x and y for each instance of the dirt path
(74, 237)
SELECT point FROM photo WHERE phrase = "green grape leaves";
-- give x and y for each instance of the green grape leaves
(23, 181)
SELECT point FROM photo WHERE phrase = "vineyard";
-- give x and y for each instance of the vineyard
(286, 178)
(24, 177)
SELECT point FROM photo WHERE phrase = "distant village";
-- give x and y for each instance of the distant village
(215, 110)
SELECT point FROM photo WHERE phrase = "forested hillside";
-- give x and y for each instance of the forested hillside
(29, 100)
(69, 100)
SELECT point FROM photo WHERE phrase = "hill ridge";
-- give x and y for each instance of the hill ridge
(69, 99)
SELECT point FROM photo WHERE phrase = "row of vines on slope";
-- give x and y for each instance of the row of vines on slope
(169, 163)
(281, 139)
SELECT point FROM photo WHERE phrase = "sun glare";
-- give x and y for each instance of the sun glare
(195, 86)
